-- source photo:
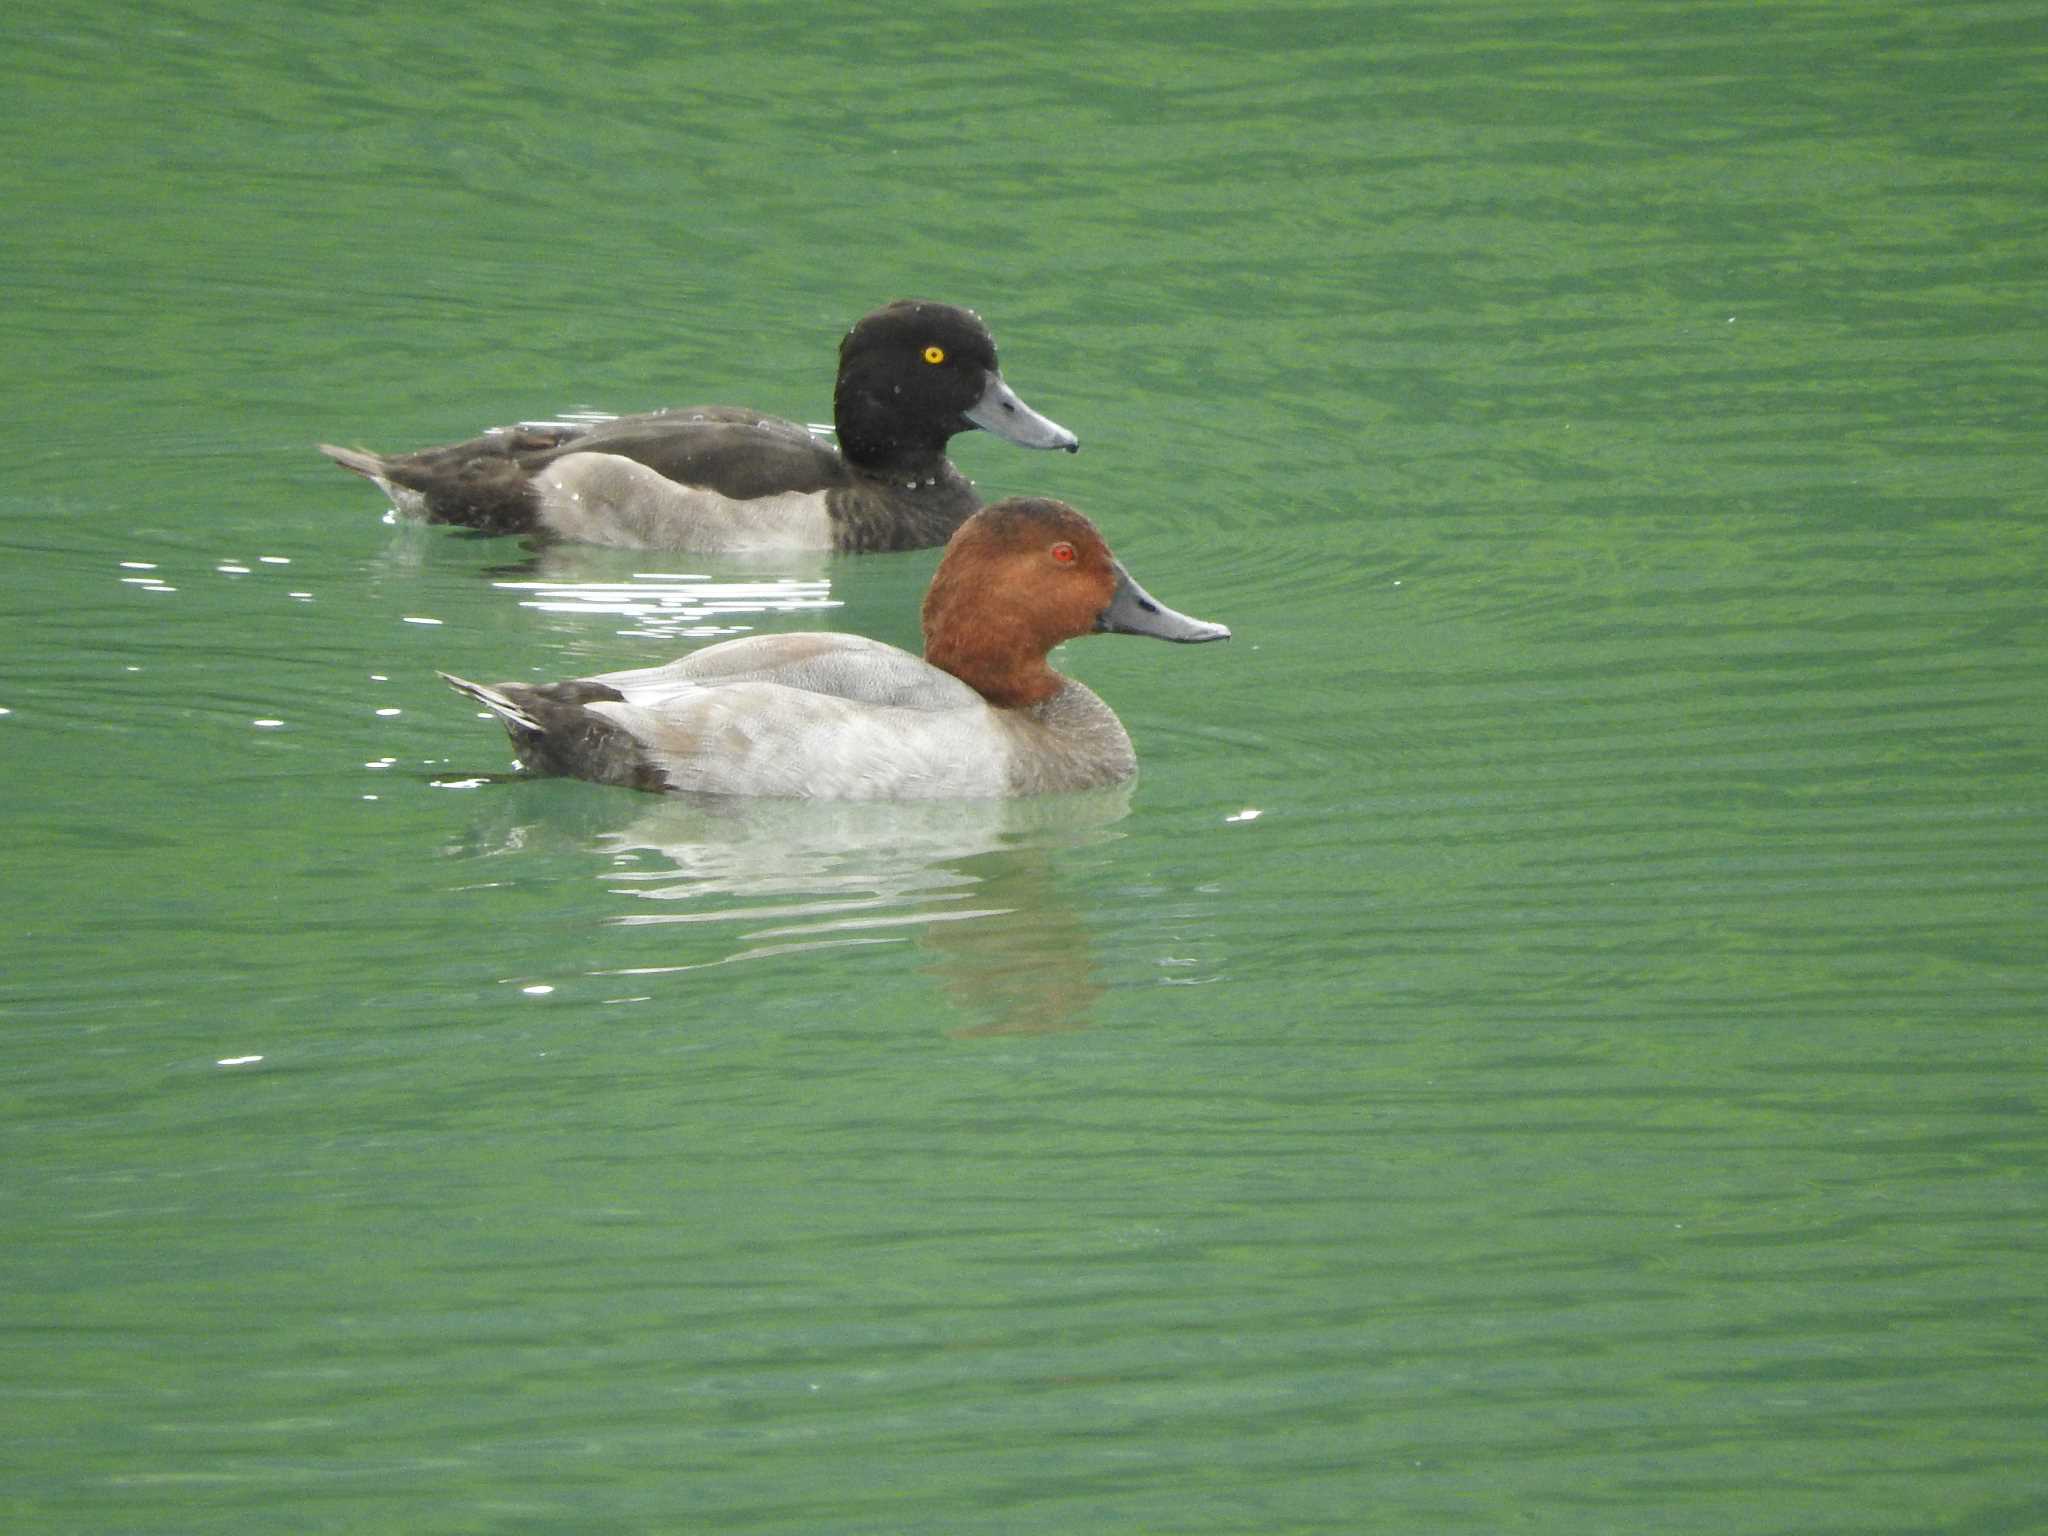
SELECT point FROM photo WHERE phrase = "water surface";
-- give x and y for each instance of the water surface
(1550, 1041)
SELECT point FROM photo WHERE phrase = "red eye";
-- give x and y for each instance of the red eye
(1063, 552)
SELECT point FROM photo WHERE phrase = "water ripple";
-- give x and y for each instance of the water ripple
(666, 606)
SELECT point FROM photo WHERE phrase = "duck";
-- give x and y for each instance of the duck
(823, 715)
(913, 375)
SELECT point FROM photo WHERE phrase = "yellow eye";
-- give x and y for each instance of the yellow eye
(935, 354)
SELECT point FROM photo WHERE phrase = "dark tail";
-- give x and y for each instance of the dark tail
(554, 733)
(516, 719)
(478, 484)
(369, 465)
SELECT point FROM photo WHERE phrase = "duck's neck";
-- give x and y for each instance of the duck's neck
(1008, 684)
(999, 656)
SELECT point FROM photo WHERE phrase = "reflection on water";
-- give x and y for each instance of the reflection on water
(665, 607)
(604, 585)
(974, 884)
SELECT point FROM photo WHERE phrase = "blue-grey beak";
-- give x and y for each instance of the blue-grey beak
(1001, 412)
(1134, 611)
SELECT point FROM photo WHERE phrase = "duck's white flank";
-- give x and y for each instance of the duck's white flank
(603, 498)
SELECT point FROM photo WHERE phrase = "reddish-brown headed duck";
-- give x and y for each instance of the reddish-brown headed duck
(842, 717)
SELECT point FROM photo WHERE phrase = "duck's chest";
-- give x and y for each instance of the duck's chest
(1071, 741)
(877, 515)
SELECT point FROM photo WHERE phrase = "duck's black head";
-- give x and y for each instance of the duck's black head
(915, 374)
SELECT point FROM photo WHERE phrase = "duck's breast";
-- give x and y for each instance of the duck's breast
(1071, 741)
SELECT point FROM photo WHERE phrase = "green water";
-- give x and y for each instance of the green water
(1551, 1042)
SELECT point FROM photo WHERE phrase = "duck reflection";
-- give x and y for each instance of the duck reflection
(1028, 971)
(975, 884)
